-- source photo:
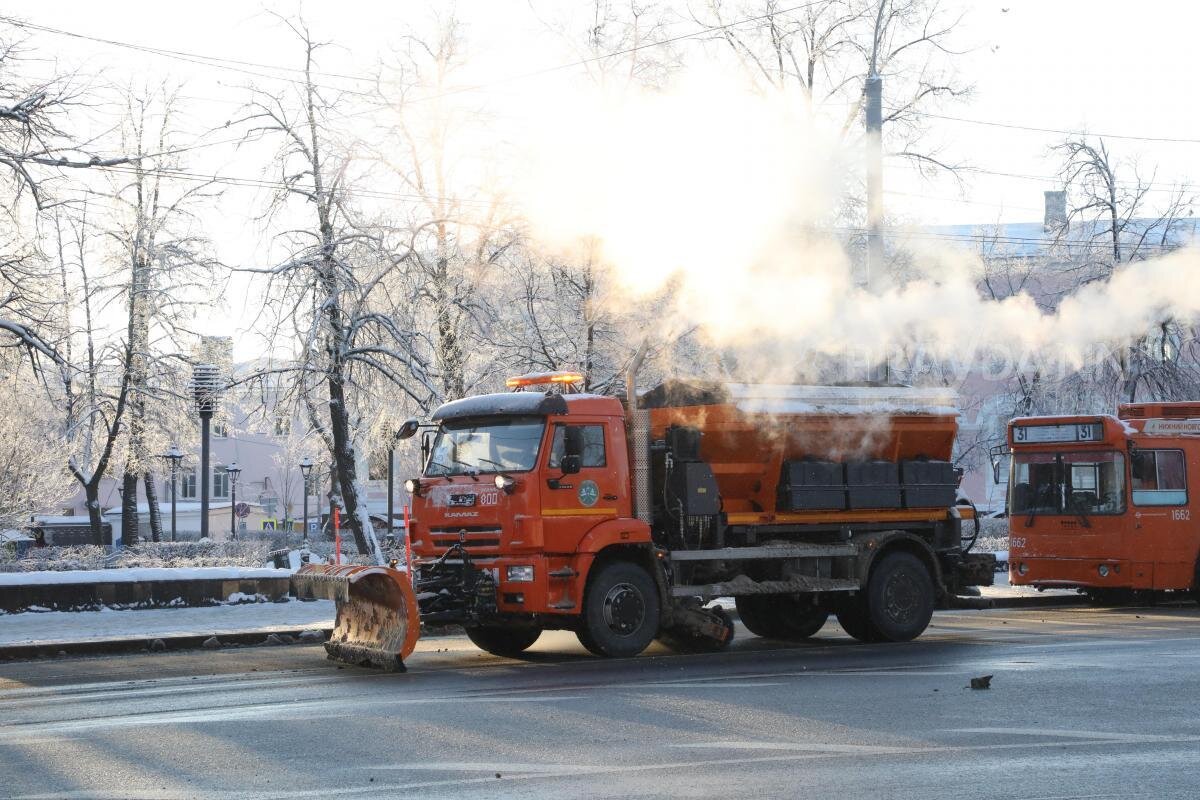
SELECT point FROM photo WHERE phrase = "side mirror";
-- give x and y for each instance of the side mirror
(996, 472)
(573, 441)
(408, 429)
(571, 464)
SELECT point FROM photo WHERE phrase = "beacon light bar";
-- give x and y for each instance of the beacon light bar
(543, 378)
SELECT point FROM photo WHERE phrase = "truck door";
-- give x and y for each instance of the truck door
(572, 504)
(1163, 537)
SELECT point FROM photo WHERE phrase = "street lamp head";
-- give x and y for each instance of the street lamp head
(173, 456)
(206, 382)
(306, 465)
(233, 470)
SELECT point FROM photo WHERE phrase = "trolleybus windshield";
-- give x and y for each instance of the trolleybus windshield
(1083, 482)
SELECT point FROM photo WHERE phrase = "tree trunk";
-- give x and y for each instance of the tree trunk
(129, 513)
(91, 491)
(152, 505)
(344, 471)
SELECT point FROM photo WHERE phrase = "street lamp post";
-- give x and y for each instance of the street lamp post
(205, 383)
(306, 465)
(173, 457)
(233, 470)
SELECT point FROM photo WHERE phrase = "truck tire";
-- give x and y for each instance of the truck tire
(778, 616)
(853, 618)
(620, 611)
(900, 597)
(502, 640)
(756, 615)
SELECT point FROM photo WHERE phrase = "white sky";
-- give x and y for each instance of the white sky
(1101, 65)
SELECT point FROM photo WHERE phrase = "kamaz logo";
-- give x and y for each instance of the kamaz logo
(461, 500)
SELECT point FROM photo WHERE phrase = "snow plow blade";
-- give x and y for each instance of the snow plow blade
(377, 618)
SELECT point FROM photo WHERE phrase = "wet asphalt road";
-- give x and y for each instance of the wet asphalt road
(1084, 703)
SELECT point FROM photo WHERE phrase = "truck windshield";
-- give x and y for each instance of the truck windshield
(468, 447)
(1087, 482)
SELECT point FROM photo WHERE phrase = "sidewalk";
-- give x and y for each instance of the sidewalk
(84, 630)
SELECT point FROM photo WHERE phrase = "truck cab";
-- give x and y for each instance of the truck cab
(1102, 503)
(529, 486)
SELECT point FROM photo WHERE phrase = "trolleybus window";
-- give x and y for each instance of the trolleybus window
(1158, 478)
(1067, 483)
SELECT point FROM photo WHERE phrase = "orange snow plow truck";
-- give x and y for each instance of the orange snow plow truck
(542, 509)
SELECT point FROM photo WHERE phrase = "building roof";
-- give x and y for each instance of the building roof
(1024, 239)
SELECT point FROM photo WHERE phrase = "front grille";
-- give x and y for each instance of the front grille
(479, 537)
(447, 541)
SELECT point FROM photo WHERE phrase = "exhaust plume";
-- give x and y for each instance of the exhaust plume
(727, 200)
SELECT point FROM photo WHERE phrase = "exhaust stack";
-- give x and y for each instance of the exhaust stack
(638, 429)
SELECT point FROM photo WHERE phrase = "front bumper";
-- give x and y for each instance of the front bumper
(458, 588)
(1074, 573)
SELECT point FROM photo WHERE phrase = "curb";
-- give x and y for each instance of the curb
(1046, 601)
(25, 652)
(115, 646)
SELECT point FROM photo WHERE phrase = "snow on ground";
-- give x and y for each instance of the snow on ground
(140, 574)
(48, 628)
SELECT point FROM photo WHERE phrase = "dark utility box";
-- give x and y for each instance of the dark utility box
(813, 486)
(692, 483)
(684, 442)
(929, 484)
(873, 484)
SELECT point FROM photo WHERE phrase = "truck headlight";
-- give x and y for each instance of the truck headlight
(520, 574)
(413, 487)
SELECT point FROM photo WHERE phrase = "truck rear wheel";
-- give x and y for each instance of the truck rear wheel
(853, 618)
(900, 597)
(777, 616)
(502, 640)
(620, 611)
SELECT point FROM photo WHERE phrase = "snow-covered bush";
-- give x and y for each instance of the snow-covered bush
(146, 554)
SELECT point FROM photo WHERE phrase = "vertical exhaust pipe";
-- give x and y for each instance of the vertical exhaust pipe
(638, 432)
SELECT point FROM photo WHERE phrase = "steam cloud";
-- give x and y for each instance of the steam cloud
(727, 197)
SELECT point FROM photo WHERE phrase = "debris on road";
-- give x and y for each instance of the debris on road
(982, 682)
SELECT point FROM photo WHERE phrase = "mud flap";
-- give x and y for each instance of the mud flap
(377, 618)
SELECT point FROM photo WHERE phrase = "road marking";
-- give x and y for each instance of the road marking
(807, 747)
(1108, 736)
(265, 711)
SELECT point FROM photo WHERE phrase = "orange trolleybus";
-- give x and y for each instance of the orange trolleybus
(1103, 504)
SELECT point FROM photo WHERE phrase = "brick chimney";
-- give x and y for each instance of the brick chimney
(1056, 212)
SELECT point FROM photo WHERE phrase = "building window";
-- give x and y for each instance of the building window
(187, 484)
(283, 425)
(220, 482)
(220, 430)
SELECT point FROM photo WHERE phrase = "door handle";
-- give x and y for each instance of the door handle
(610, 497)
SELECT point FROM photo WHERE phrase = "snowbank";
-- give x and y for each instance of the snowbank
(139, 575)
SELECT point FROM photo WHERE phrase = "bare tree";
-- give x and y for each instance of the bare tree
(1113, 220)
(326, 289)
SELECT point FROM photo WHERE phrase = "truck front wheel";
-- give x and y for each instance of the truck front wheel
(501, 640)
(620, 611)
(900, 597)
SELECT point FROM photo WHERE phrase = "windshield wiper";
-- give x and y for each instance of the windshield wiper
(445, 473)
(1080, 512)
